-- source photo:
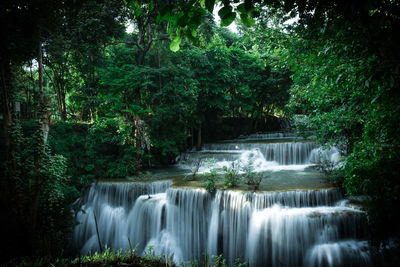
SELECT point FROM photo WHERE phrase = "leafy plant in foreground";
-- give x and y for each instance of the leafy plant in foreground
(43, 192)
(211, 176)
(251, 177)
(232, 177)
(209, 182)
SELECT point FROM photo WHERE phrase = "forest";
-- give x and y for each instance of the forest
(104, 90)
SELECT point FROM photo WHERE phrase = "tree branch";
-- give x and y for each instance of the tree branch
(164, 37)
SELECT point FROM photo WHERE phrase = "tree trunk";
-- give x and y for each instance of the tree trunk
(61, 99)
(198, 146)
(44, 116)
(40, 62)
(35, 187)
(9, 157)
(192, 137)
(63, 105)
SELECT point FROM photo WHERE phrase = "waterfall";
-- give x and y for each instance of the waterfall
(319, 154)
(112, 203)
(288, 228)
(285, 153)
(345, 253)
(292, 227)
(265, 152)
(268, 136)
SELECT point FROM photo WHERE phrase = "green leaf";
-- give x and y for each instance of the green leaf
(164, 14)
(196, 18)
(192, 38)
(89, 167)
(135, 8)
(248, 21)
(151, 5)
(138, 12)
(210, 5)
(225, 12)
(228, 19)
(241, 9)
(132, 6)
(176, 41)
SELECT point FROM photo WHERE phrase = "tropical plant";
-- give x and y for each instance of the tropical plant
(231, 175)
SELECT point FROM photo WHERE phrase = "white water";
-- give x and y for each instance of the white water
(263, 228)
(263, 152)
(277, 228)
(345, 253)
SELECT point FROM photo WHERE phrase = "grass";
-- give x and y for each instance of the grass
(107, 258)
(116, 258)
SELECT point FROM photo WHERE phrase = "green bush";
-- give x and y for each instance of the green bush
(102, 150)
(42, 193)
(231, 176)
(69, 139)
(111, 150)
(252, 178)
(210, 179)
(373, 170)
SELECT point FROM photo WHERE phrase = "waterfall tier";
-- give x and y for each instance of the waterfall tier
(260, 154)
(122, 193)
(272, 228)
(282, 153)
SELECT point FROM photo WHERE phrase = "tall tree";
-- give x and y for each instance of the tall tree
(89, 41)
(25, 26)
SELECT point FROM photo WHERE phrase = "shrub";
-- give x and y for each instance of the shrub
(210, 179)
(102, 150)
(251, 177)
(42, 193)
(332, 172)
(231, 176)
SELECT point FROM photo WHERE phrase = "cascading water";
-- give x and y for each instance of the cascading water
(265, 152)
(283, 153)
(307, 227)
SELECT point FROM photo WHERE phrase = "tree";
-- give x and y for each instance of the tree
(21, 41)
(25, 26)
(92, 26)
(346, 83)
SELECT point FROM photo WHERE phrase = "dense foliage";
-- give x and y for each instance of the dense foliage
(346, 91)
(93, 151)
(114, 101)
(42, 196)
(181, 91)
